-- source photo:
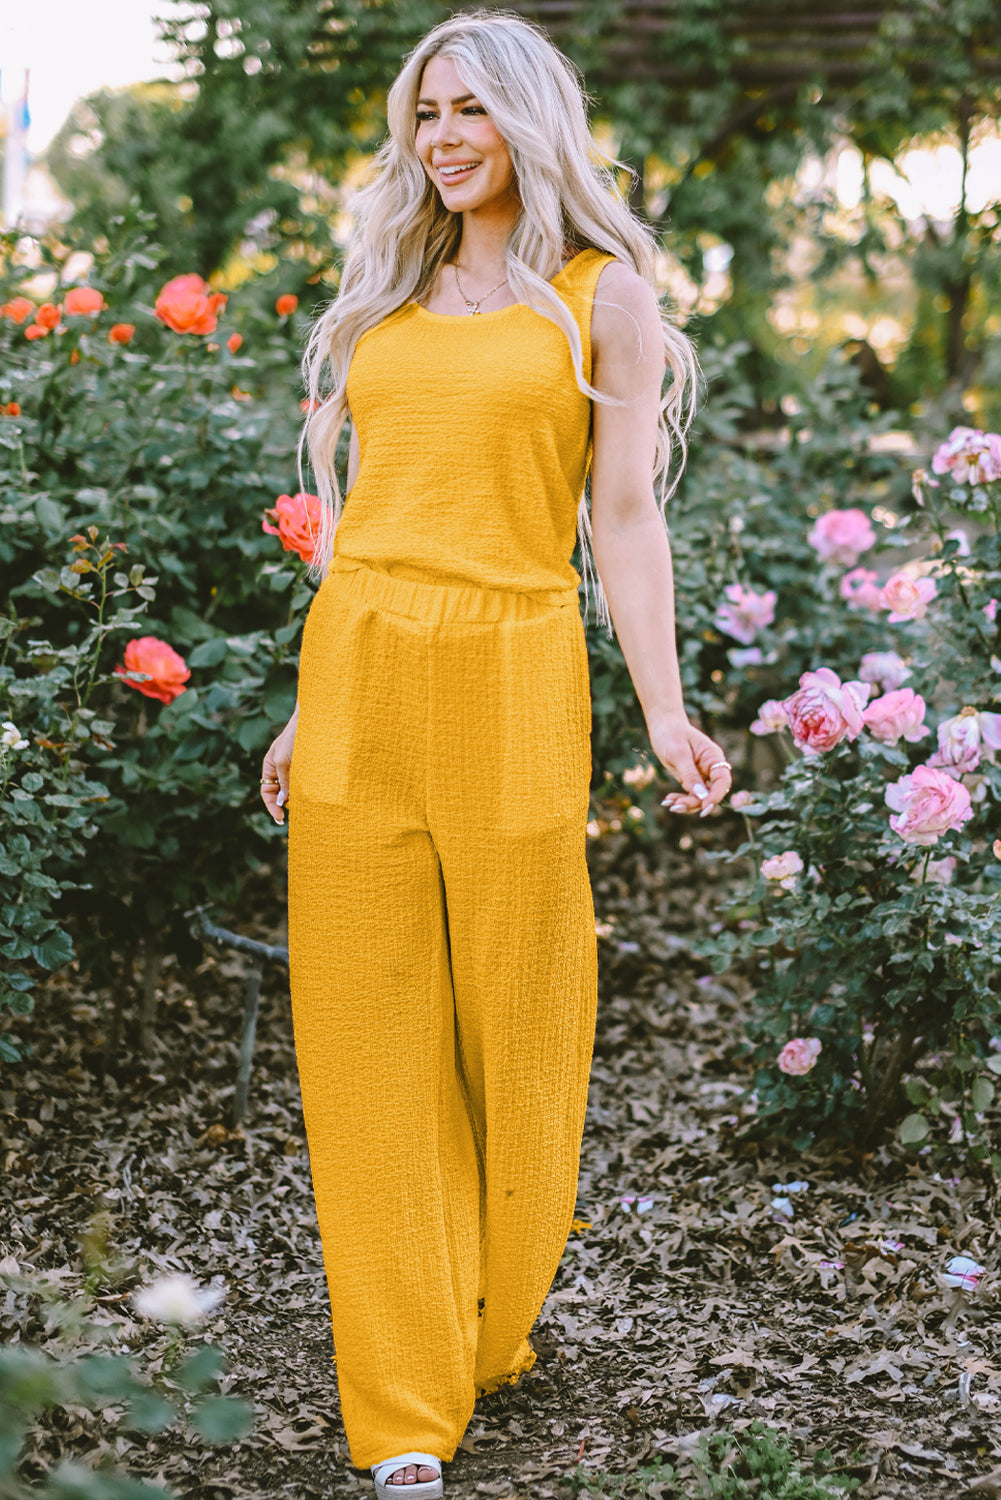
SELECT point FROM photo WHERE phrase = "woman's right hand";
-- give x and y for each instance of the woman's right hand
(276, 768)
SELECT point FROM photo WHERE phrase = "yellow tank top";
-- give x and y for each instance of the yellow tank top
(474, 442)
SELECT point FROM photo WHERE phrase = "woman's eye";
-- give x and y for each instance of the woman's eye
(474, 109)
(424, 114)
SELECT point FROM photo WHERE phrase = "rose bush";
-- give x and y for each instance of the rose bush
(855, 935)
(135, 474)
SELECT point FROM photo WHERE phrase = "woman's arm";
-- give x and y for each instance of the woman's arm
(631, 548)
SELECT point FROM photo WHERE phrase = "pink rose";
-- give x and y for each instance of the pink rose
(742, 799)
(167, 672)
(907, 597)
(825, 710)
(938, 872)
(896, 715)
(783, 867)
(928, 803)
(798, 1056)
(960, 739)
(841, 536)
(884, 669)
(771, 717)
(970, 456)
(990, 611)
(746, 612)
(860, 589)
(298, 523)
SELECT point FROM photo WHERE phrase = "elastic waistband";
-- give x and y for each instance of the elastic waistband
(443, 603)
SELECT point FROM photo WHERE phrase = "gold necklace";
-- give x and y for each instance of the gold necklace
(474, 307)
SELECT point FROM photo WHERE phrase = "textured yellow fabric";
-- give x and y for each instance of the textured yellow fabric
(441, 935)
(473, 438)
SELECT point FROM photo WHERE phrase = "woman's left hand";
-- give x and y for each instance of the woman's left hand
(691, 757)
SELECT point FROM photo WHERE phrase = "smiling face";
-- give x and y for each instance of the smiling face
(461, 149)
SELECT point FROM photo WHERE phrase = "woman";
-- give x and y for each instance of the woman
(441, 925)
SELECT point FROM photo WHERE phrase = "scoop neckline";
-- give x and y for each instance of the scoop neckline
(497, 311)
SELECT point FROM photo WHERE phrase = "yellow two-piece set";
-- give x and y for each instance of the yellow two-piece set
(441, 925)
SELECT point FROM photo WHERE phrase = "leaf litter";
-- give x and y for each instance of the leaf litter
(686, 1301)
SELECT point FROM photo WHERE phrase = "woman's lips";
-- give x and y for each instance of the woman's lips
(460, 175)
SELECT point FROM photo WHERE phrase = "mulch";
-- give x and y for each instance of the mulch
(686, 1302)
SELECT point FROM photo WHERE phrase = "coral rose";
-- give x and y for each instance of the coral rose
(970, 456)
(746, 612)
(297, 521)
(18, 309)
(186, 305)
(860, 589)
(928, 803)
(83, 301)
(884, 669)
(234, 342)
(841, 536)
(907, 598)
(167, 672)
(121, 333)
(286, 304)
(783, 867)
(36, 331)
(48, 315)
(12, 409)
(896, 715)
(798, 1056)
(825, 710)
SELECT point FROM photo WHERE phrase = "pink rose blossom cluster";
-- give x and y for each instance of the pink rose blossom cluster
(927, 803)
(961, 738)
(884, 669)
(969, 456)
(825, 710)
(841, 536)
(907, 598)
(798, 1056)
(860, 589)
(783, 868)
(745, 613)
(896, 715)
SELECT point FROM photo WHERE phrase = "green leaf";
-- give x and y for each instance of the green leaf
(148, 1412)
(54, 950)
(220, 1419)
(913, 1129)
(201, 1368)
(982, 1095)
(209, 653)
(50, 514)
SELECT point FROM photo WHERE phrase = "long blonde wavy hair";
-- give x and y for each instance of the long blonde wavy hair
(403, 234)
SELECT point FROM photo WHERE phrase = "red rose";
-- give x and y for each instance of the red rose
(48, 315)
(286, 304)
(166, 670)
(121, 333)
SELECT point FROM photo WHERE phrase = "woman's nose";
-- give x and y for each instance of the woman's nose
(445, 131)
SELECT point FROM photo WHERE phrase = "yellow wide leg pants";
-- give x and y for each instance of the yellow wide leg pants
(444, 981)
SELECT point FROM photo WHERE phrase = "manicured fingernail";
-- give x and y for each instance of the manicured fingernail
(282, 798)
(700, 790)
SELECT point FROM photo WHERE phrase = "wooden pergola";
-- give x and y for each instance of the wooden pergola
(772, 45)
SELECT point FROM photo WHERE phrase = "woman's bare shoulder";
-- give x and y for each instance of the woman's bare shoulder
(625, 308)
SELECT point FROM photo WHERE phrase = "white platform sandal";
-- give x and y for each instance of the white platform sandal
(424, 1489)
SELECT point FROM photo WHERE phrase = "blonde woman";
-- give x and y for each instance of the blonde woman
(496, 333)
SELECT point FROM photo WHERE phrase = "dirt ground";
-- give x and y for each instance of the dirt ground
(693, 1307)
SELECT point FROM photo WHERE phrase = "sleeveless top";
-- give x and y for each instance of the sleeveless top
(474, 442)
